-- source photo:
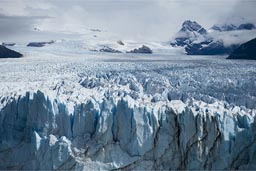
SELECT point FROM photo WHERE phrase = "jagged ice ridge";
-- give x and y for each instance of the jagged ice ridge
(113, 113)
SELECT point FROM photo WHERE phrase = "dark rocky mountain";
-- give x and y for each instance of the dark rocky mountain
(8, 44)
(247, 26)
(245, 51)
(143, 49)
(232, 27)
(120, 42)
(216, 28)
(213, 48)
(109, 50)
(8, 53)
(39, 44)
(225, 27)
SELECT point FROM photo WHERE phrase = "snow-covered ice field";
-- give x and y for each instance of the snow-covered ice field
(160, 77)
(89, 110)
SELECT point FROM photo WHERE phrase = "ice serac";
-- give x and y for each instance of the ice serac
(41, 132)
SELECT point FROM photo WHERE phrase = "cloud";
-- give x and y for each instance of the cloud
(23, 7)
(15, 26)
(234, 37)
(135, 19)
(242, 11)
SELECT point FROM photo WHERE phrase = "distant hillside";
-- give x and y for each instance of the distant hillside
(245, 51)
(8, 53)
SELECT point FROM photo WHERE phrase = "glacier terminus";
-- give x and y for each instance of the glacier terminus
(126, 112)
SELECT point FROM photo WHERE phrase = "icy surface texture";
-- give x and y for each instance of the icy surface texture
(38, 132)
(127, 112)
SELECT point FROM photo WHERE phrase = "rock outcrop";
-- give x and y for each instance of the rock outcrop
(8, 53)
(120, 42)
(39, 44)
(109, 50)
(8, 44)
(143, 49)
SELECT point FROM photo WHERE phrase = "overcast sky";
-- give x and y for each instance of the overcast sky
(130, 19)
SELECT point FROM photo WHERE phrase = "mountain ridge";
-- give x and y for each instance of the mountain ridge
(245, 51)
(196, 40)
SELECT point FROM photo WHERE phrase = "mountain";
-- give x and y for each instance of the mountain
(39, 44)
(213, 48)
(8, 44)
(109, 50)
(8, 53)
(225, 27)
(192, 26)
(232, 27)
(247, 26)
(189, 31)
(219, 40)
(143, 49)
(245, 51)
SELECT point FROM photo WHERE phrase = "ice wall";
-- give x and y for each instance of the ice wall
(42, 132)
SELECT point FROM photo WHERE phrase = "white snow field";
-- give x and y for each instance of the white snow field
(81, 110)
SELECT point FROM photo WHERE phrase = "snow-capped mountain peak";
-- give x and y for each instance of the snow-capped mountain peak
(189, 32)
(219, 39)
(192, 26)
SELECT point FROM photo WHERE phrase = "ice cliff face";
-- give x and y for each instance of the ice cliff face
(42, 132)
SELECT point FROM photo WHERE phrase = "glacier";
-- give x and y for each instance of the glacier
(38, 132)
(126, 112)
